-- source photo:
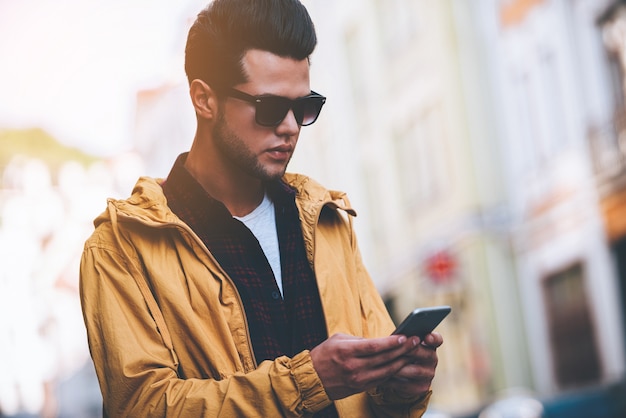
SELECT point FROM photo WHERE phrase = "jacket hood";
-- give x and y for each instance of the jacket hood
(312, 196)
(148, 204)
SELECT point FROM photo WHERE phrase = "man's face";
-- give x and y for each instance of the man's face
(259, 151)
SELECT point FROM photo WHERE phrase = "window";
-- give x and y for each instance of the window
(619, 256)
(421, 160)
(617, 78)
(574, 347)
(555, 133)
(353, 40)
(527, 133)
(541, 124)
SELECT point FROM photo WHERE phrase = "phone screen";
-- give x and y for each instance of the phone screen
(422, 321)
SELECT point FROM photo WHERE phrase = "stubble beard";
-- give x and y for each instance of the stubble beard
(235, 150)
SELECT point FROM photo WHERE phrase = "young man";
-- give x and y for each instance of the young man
(232, 289)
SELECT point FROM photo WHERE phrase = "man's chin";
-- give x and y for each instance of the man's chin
(273, 175)
(270, 176)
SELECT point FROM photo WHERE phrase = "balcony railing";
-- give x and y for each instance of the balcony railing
(608, 151)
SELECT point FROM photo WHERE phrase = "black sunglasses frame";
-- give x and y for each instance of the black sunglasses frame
(285, 104)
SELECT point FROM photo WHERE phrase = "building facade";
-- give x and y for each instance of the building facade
(396, 134)
(480, 144)
(549, 84)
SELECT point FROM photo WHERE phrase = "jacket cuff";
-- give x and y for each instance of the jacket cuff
(314, 397)
(388, 397)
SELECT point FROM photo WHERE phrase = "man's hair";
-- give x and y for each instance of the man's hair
(226, 29)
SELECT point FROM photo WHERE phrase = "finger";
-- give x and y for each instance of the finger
(409, 387)
(376, 375)
(434, 339)
(423, 355)
(394, 345)
(416, 372)
(386, 363)
(356, 354)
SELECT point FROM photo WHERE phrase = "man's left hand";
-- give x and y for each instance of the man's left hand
(415, 378)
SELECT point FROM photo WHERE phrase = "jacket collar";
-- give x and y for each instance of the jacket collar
(148, 203)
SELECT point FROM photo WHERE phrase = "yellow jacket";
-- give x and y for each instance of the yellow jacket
(167, 330)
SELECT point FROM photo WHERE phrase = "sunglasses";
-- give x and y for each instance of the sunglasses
(270, 110)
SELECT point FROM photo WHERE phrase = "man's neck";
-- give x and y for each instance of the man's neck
(241, 206)
(241, 194)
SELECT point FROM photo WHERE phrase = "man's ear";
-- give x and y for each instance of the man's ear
(204, 99)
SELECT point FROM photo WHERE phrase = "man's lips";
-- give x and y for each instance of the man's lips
(281, 152)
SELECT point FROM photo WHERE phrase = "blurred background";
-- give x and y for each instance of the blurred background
(482, 142)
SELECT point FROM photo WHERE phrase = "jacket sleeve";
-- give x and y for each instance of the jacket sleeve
(377, 323)
(138, 372)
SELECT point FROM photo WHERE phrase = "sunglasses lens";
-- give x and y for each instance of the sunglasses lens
(308, 109)
(270, 111)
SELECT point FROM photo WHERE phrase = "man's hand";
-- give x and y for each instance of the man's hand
(414, 379)
(348, 365)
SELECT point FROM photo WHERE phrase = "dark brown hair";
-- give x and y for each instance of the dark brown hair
(225, 30)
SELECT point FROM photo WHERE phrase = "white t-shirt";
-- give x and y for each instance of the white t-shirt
(262, 223)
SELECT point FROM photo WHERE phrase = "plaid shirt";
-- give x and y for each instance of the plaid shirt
(278, 325)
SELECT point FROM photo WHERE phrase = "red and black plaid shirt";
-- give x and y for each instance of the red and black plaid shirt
(278, 325)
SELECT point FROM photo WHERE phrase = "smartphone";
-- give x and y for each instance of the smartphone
(422, 321)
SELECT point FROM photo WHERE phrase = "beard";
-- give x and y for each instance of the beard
(238, 154)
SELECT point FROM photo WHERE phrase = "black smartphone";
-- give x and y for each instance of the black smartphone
(422, 321)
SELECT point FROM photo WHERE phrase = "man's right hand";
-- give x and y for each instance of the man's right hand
(347, 365)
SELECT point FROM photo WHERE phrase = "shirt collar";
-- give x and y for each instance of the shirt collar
(188, 199)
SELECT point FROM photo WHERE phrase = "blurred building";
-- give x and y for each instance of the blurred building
(549, 85)
(480, 144)
(425, 181)
(608, 143)
(164, 126)
(164, 117)
(49, 195)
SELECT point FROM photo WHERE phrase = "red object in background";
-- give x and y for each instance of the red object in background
(440, 267)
